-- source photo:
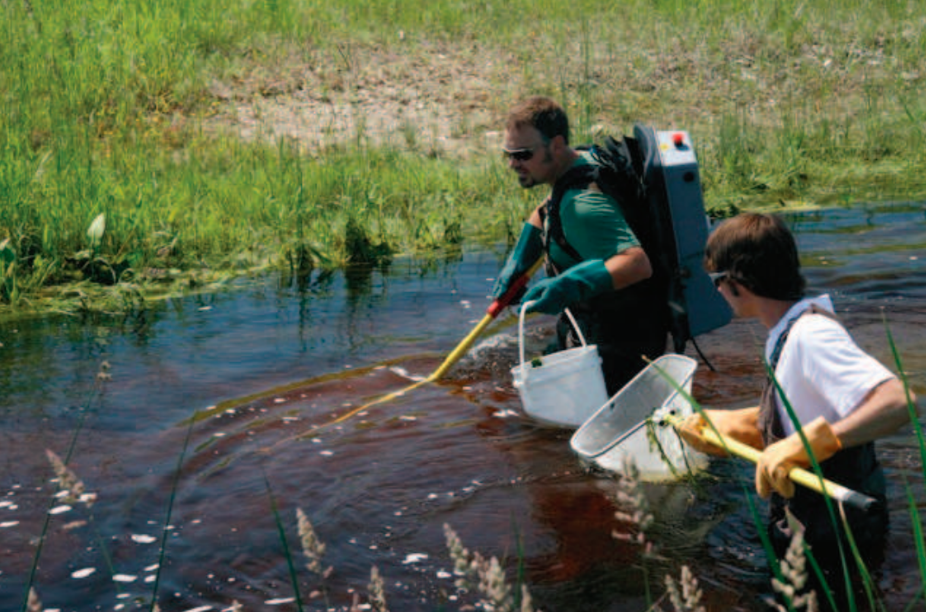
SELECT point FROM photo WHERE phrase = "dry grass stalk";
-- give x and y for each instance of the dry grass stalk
(69, 482)
(461, 558)
(492, 584)
(377, 591)
(685, 595)
(526, 603)
(486, 576)
(103, 375)
(794, 570)
(313, 548)
(34, 604)
(630, 495)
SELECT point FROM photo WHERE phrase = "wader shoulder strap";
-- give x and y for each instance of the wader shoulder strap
(579, 177)
(769, 420)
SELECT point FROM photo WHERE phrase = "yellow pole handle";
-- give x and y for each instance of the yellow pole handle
(798, 475)
(494, 309)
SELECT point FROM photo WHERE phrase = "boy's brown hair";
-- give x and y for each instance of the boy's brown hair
(758, 251)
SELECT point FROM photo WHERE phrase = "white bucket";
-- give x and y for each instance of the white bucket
(620, 429)
(566, 388)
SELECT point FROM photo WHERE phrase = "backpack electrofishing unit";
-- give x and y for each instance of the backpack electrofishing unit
(653, 176)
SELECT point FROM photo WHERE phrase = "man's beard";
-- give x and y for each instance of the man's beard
(527, 181)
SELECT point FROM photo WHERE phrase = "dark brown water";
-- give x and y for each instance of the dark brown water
(263, 369)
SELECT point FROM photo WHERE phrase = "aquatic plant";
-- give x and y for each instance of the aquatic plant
(33, 604)
(912, 505)
(629, 494)
(794, 575)
(312, 547)
(476, 573)
(684, 594)
(69, 484)
(303, 526)
(377, 591)
(70, 487)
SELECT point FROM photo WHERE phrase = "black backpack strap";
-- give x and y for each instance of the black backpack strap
(621, 165)
(579, 177)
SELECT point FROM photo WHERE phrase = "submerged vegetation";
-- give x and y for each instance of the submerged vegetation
(211, 139)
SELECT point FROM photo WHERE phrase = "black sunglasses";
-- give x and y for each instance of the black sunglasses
(716, 277)
(521, 155)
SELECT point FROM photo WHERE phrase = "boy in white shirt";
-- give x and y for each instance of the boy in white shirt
(843, 398)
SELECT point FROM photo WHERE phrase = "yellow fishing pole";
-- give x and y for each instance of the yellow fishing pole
(491, 313)
(799, 475)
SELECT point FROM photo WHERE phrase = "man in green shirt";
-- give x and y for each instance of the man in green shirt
(594, 262)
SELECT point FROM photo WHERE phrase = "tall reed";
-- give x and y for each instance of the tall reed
(72, 488)
(919, 541)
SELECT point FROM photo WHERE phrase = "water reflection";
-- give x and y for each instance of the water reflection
(265, 366)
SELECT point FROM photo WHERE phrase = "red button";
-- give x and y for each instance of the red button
(678, 139)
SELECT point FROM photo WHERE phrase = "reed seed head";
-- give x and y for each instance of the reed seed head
(685, 595)
(34, 604)
(630, 495)
(487, 575)
(794, 571)
(74, 488)
(313, 548)
(377, 591)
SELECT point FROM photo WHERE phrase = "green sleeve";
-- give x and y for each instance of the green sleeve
(594, 225)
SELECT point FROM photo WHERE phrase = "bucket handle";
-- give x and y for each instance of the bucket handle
(521, 327)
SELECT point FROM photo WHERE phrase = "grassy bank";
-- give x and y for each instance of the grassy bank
(219, 139)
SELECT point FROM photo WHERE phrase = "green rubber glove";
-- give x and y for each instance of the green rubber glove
(580, 282)
(528, 249)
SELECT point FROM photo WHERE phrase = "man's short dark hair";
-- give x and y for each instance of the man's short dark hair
(542, 113)
(759, 252)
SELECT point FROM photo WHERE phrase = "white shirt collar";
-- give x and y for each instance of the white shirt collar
(821, 301)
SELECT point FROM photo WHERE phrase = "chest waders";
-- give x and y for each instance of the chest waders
(856, 468)
(626, 324)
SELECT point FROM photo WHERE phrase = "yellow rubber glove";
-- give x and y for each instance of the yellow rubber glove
(742, 425)
(778, 459)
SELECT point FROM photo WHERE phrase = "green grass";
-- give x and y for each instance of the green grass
(108, 107)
